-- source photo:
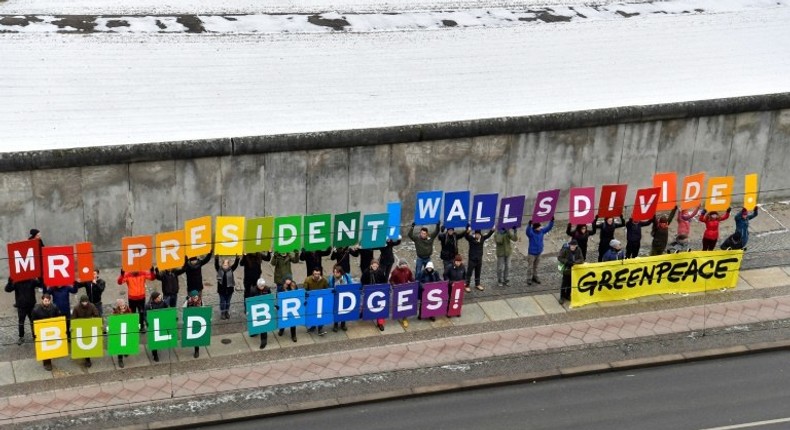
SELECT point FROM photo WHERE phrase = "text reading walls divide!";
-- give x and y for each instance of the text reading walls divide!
(236, 235)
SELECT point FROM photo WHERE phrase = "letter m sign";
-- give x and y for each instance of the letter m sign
(24, 259)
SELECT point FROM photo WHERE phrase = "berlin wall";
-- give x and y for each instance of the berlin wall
(102, 194)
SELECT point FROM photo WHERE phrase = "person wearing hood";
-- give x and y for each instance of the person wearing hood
(633, 236)
(226, 284)
(428, 275)
(85, 309)
(615, 251)
(660, 232)
(154, 303)
(568, 257)
(711, 234)
(476, 244)
(194, 271)
(535, 234)
(607, 229)
(24, 302)
(43, 310)
(504, 249)
(742, 223)
(387, 255)
(401, 275)
(262, 289)
(684, 221)
(448, 239)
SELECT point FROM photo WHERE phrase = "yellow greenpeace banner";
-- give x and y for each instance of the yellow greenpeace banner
(686, 272)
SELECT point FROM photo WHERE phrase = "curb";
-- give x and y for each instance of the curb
(488, 382)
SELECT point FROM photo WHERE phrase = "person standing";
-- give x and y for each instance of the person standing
(194, 300)
(61, 298)
(684, 221)
(374, 275)
(43, 310)
(312, 259)
(504, 249)
(711, 234)
(428, 275)
(401, 275)
(448, 239)
(339, 277)
(252, 271)
(226, 284)
(423, 245)
(568, 257)
(85, 309)
(535, 234)
(94, 290)
(170, 285)
(476, 244)
(24, 302)
(582, 235)
(660, 232)
(742, 224)
(633, 236)
(282, 266)
(387, 255)
(607, 228)
(262, 289)
(194, 271)
(135, 286)
(316, 281)
(457, 272)
(288, 285)
(154, 303)
(342, 257)
(121, 308)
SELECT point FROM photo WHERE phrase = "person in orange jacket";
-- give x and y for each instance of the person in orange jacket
(135, 290)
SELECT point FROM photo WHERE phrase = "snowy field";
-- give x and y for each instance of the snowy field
(63, 90)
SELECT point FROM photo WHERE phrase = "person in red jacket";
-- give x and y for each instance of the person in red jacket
(135, 291)
(711, 235)
(401, 275)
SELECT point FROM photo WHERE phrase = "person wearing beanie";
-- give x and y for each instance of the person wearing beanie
(374, 275)
(315, 282)
(387, 255)
(633, 236)
(457, 272)
(43, 310)
(535, 234)
(428, 275)
(24, 302)
(401, 275)
(423, 245)
(742, 224)
(476, 244)
(568, 257)
(94, 289)
(262, 289)
(339, 277)
(615, 251)
(607, 228)
(121, 308)
(660, 232)
(288, 285)
(34, 234)
(504, 249)
(155, 302)
(226, 284)
(85, 309)
(194, 300)
(711, 234)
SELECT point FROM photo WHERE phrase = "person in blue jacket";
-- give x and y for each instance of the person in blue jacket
(742, 224)
(535, 233)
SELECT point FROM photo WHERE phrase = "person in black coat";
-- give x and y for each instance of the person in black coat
(633, 236)
(342, 257)
(252, 271)
(365, 257)
(94, 290)
(312, 259)
(374, 275)
(24, 302)
(154, 303)
(262, 289)
(170, 285)
(476, 242)
(194, 270)
(43, 310)
(581, 235)
(457, 272)
(607, 228)
(387, 255)
(448, 239)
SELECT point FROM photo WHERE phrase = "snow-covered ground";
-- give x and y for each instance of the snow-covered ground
(72, 90)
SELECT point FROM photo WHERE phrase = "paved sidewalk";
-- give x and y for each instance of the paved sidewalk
(153, 382)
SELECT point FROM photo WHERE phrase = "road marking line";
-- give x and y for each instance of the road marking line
(752, 424)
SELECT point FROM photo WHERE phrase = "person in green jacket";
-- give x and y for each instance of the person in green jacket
(282, 266)
(504, 249)
(423, 244)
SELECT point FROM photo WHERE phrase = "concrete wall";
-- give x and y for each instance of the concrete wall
(102, 204)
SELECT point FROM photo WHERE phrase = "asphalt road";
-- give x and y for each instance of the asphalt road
(752, 389)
